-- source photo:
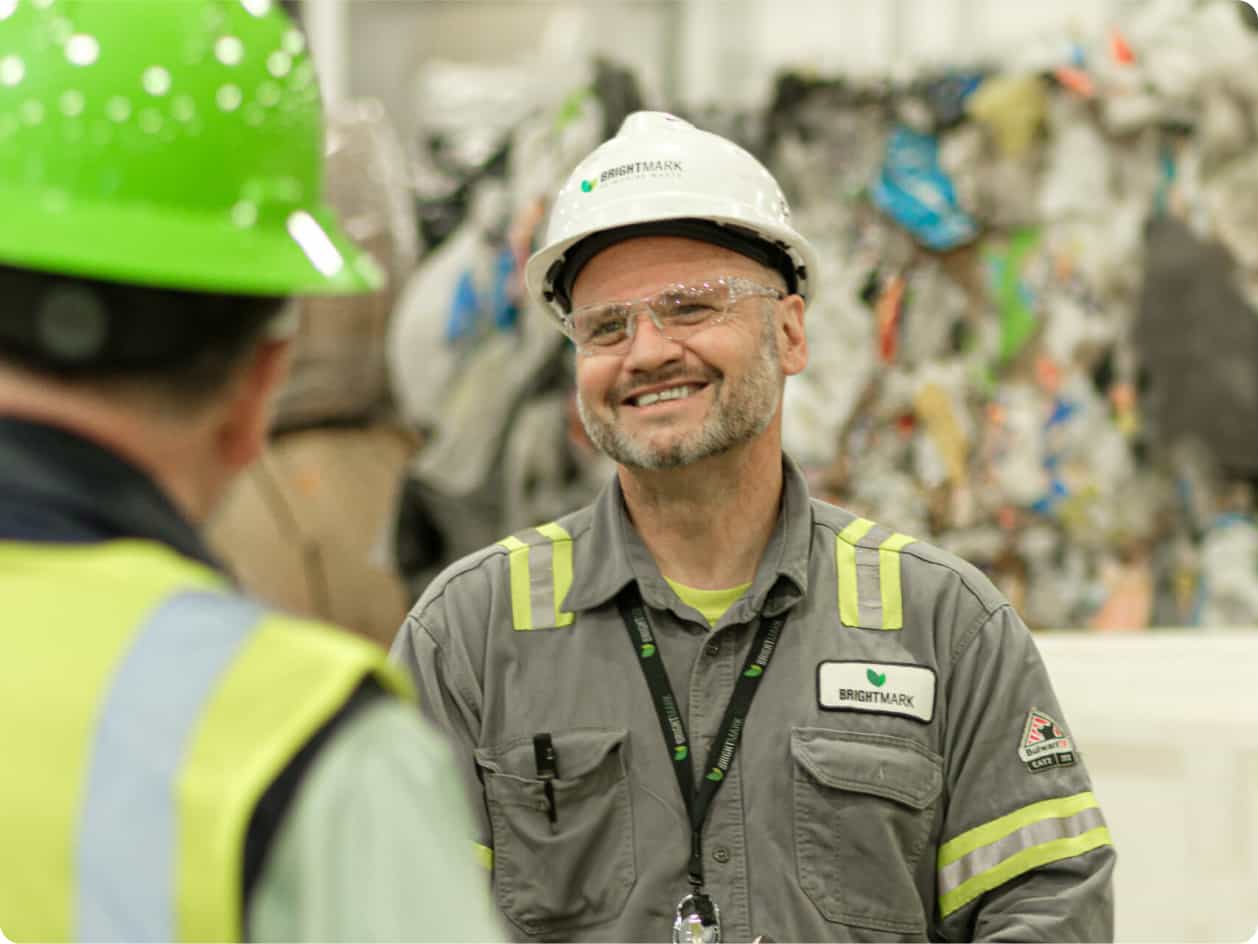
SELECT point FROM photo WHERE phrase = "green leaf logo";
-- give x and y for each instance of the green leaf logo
(716, 775)
(647, 651)
(680, 752)
(588, 185)
(878, 678)
(754, 671)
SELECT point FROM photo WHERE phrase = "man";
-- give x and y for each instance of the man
(706, 703)
(179, 762)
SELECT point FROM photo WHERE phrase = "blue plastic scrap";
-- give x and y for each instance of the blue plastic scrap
(916, 192)
(468, 309)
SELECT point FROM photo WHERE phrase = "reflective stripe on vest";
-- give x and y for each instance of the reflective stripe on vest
(129, 832)
(867, 558)
(990, 855)
(540, 560)
(484, 856)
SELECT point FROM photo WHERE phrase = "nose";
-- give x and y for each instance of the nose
(648, 348)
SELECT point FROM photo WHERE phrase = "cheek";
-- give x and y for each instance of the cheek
(594, 379)
(730, 354)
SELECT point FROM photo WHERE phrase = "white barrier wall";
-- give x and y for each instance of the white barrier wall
(1168, 725)
(687, 52)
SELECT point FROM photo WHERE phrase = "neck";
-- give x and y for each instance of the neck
(707, 524)
(178, 460)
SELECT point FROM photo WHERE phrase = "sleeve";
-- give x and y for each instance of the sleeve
(449, 699)
(1024, 854)
(374, 845)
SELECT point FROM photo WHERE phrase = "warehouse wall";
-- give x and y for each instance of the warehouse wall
(691, 52)
(388, 42)
(733, 48)
(1168, 724)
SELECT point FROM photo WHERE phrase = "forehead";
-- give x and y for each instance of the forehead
(639, 267)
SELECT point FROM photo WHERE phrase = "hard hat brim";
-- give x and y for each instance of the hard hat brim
(187, 251)
(617, 215)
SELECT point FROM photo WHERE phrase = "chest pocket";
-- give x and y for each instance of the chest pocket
(864, 807)
(576, 871)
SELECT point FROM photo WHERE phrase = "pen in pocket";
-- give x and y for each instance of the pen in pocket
(547, 760)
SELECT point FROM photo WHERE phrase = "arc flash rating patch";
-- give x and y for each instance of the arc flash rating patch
(1044, 744)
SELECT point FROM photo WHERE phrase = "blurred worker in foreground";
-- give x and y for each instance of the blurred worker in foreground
(179, 762)
(706, 704)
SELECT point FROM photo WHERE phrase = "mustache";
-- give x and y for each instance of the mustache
(622, 391)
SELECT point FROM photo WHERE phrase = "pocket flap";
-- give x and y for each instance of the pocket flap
(577, 752)
(881, 764)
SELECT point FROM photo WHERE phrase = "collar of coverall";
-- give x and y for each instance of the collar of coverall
(622, 557)
(56, 487)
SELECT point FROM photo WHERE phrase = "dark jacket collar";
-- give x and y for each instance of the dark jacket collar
(57, 487)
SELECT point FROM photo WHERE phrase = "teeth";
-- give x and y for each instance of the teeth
(673, 393)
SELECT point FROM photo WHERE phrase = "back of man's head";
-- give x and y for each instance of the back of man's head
(181, 348)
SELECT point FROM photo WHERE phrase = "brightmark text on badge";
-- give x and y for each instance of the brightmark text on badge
(898, 699)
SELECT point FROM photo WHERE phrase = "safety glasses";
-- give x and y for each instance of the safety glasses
(678, 313)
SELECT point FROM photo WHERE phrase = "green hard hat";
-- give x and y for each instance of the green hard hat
(168, 143)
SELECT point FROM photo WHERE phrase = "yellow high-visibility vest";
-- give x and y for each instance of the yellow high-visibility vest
(145, 709)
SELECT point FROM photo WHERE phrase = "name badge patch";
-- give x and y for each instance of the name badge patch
(888, 688)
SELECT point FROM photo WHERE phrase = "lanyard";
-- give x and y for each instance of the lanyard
(721, 756)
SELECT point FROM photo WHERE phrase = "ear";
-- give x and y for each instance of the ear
(242, 433)
(792, 341)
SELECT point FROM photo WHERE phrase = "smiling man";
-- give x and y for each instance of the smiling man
(707, 705)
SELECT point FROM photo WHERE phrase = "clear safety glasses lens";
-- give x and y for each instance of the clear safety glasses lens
(678, 312)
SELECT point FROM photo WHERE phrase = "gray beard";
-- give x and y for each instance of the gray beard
(745, 414)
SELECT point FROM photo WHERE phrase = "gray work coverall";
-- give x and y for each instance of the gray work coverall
(905, 771)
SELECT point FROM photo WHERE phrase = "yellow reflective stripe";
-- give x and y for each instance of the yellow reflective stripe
(889, 580)
(997, 829)
(521, 611)
(251, 728)
(38, 866)
(849, 604)
(987, 856)
(845, 561)
(1022, 862)
(484, 856)
(562, 566)
(856, 530)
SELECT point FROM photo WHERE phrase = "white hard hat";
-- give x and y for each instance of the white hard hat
(660, 175)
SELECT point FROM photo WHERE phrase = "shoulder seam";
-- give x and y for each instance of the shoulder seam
(967, 638)
(908, 549)
(824, 524)
(560, 521)
(488, 552)
(485, 554)
(589, 523)
(469, 696)
(978, 598)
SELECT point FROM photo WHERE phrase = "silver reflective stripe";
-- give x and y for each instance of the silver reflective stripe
(988, 857)
(127, 843)
(541, 578)
(869, 576)
(868, 588)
